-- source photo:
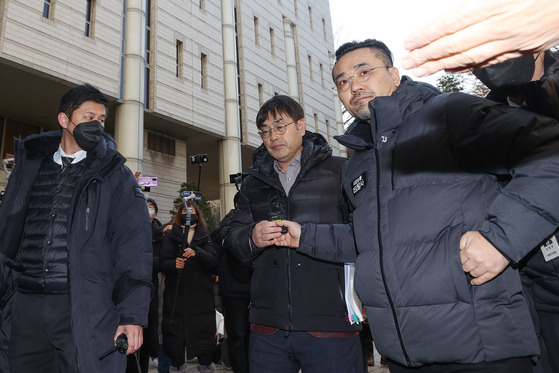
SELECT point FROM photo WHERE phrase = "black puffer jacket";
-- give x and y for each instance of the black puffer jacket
(43, 253)
(234, 275)
(289, 290)
(423, 173)
(542, 97)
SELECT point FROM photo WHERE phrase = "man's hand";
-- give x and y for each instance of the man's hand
(480, 259)
(478, 33)
(291, 238)
(135, 335)
(264, 233)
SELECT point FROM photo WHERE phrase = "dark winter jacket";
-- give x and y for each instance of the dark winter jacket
(234, 275)
(542, 97)
(157, 239)
(425, 171)
(109, 245)
(195, 300)
(289, 290)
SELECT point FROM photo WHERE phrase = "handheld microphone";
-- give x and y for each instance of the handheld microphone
(120, 346)
(277, 211)
(187, 210)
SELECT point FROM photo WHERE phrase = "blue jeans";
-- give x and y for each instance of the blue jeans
(163, 361)
(278, 353)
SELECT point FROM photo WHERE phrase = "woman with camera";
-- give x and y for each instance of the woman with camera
(188, 259)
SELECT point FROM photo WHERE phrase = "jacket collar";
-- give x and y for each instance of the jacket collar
(103, 157)
(315, 150)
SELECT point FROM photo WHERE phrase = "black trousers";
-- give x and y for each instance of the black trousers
(550, 331)
(514, 365)
(41, 338)
(235, 313)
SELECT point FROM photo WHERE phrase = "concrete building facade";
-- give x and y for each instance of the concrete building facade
(182, 77)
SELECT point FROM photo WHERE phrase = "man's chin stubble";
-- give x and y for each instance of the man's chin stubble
(363, 114)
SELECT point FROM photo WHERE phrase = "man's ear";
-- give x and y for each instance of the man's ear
(301, 125)
(395, 75)
(63, 120)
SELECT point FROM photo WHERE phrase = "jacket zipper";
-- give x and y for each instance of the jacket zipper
(87, 213)
(381, 250)
(289, 303)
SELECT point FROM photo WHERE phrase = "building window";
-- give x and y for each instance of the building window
(324, 29)
(310, 68)
(89, 18)
(202, 4)
(204, 71)
(46, 9)
(296, 8)
(315, 122)
(260, 95)
(328, 131)
(161, 144)
(179, 60)
(256, 32)
(272, 42)
(322, 75)
(310, 18)
(147, 93)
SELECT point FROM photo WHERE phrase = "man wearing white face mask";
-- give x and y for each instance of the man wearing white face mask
(75, 253)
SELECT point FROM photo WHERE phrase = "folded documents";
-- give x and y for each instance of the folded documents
(353, 303)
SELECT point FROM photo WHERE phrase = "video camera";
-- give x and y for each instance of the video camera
(199, 159)
(237, 179)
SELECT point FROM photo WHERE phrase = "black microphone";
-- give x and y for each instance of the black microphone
(120, 346)
(277, 211)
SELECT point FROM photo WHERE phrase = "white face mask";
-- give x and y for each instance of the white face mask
(151, 211)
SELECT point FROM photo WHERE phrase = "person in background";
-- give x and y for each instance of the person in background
(188, 260)
(150, 346)
(234, 288)
(477, 33)
(532, 83)
(298, 315)
(447, 194)
(76, 257)
(153, 324)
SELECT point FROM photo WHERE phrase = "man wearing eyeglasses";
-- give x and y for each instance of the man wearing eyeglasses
(298, 314)
(447, 194)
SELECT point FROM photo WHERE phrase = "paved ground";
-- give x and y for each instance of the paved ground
(220, 368)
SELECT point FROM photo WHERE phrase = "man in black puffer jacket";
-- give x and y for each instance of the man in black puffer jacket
(75, 245)
(532, 83)
(298, 315)
(447, 194)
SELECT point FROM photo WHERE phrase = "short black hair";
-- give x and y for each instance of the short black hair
(75, 96)
(153, 203)
(378, 47)
(278, 105)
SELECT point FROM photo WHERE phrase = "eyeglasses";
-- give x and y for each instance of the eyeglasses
(278, 128)
(361, 74)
